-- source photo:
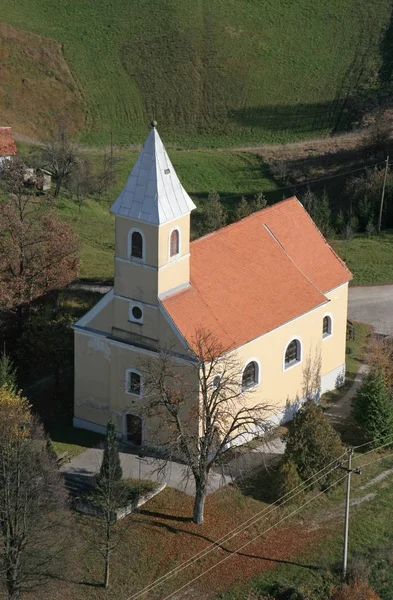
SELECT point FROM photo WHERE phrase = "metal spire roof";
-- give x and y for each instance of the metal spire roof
(153, 192)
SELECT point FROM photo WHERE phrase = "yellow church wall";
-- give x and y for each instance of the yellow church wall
(169, 337)
(174, 275)
(278, 385)
(122, 402)
(150, 232)
(101, 368)
(92, 377)
(149, 327)
(137, 282)
(103, 320)
(183, 225)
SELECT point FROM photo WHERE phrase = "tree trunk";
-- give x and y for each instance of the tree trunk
(199, 505)
(107, 556)
(58, 187)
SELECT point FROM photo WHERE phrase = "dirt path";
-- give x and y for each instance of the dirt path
(346, 141)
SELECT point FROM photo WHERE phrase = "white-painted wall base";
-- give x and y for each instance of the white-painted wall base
(81, 424)
(333, 380)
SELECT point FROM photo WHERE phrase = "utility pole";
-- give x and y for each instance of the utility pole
(349, 472)
(383, 194)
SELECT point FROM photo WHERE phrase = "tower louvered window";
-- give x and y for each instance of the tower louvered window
(137, 245)
(174, 243)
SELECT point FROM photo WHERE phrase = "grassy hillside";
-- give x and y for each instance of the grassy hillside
(219, 73)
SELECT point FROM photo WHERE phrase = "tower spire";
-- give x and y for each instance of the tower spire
(153, 193)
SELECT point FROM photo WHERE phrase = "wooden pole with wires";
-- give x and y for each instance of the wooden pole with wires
(383, 194)
(349, 471)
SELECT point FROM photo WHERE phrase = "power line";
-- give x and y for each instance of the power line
(251, 521)
(239, 529)
(255, 538)
(373, 442)
(266, 530)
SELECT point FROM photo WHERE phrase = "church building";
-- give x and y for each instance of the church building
(268, 287)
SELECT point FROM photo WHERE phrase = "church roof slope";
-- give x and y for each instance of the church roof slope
(255, 275)
(7, 144)
(153, 193)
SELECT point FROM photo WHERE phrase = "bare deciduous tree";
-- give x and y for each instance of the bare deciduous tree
(311, 384)
(108, 495)
(59, 156)
(33, 519)
(205, 408)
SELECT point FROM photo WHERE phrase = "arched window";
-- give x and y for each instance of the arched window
(250, 375)
(133, 382)
(292, 353)
(174, 245)
(216, 381)
(326, 326)
(136, 245)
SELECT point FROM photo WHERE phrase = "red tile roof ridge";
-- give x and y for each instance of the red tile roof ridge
(292, 199)
(291, 259)
(326, 242)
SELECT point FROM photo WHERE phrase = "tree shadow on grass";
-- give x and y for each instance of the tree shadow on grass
(57, 577)
(177, 530)
(159, 515)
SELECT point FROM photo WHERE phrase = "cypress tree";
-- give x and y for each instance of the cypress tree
(312, 443)
(373, 407)
(243, 209)
(111, 467)
(214, 215)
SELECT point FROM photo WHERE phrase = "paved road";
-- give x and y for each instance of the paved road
(373, 305)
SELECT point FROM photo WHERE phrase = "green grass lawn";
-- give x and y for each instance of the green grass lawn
(369, 259)
(219, 73)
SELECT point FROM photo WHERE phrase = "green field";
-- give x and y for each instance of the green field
(369, 259)
(219, 73)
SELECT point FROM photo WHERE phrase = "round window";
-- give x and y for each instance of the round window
(137, 313)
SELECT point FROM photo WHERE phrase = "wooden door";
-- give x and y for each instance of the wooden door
(134, 429)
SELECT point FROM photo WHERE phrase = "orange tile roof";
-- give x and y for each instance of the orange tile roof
(252, 276)
(7, 144)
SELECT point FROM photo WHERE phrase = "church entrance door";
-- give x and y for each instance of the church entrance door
(134, 429)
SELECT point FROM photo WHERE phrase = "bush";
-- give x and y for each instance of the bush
(312, 443)
(359, 590)
(287, 479)
(373, 407)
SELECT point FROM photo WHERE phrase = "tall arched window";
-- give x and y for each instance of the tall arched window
(292, 353)
(326, 326)
(250, 375)
(174, 246)
(136, 245)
